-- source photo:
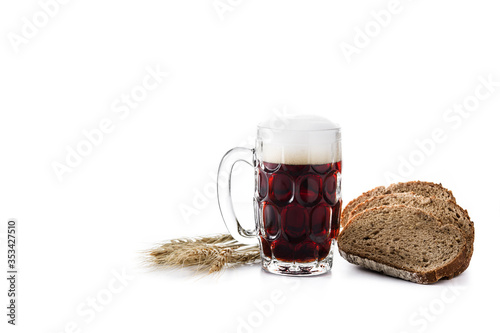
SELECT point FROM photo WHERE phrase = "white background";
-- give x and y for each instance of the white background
(227, 71)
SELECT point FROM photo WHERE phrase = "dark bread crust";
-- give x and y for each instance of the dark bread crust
(422, 278)
(418, 187)
(385, 266)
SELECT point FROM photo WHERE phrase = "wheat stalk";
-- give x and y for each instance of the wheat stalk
(209, 254)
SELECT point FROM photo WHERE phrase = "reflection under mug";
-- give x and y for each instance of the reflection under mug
(297, 194)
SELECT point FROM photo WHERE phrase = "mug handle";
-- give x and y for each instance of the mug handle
(242, 235)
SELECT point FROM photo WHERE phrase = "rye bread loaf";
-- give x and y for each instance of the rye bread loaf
(426, 189)
(446, 211)
(403, 242)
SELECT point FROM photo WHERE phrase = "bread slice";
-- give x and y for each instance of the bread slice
(404, 242)
(425, 189)
(346, 212)
(446, 211)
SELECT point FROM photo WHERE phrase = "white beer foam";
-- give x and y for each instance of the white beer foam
(299, 140)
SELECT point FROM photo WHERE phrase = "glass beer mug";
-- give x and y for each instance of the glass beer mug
(297, 199)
